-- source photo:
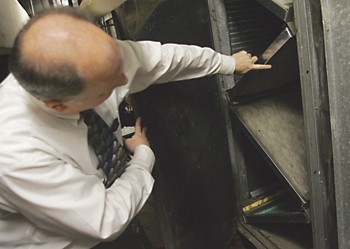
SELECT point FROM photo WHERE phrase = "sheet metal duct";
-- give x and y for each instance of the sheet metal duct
(13, 17)
(99, 8)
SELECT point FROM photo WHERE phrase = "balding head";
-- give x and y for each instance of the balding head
(59, 52)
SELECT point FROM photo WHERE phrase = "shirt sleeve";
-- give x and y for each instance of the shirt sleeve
(58, 197)
(147, 62)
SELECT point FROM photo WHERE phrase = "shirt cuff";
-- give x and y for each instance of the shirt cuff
(143, 157)
(228, 64)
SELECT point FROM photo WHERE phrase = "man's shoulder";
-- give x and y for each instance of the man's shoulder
(8, 83)
(12, 102)
(16, 118)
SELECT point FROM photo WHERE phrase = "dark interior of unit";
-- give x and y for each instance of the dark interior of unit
(194, 188)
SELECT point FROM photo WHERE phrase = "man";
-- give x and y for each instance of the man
(53, 194)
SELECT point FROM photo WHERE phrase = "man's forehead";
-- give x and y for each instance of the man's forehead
(61, 40)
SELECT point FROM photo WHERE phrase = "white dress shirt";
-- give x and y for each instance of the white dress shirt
(51, 194)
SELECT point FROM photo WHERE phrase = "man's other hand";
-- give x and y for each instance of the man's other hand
(138, 138)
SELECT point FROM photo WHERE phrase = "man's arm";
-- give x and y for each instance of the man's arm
(150, 62)
(58, 197)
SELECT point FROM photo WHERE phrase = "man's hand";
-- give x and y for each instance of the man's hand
(138, 138)
(245, 62)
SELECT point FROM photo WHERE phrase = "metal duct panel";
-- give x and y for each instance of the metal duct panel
(281, 8)
(251, 26)
(275, 123)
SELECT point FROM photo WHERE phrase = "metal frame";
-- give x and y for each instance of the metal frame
(336, 24)
(317, 124)
(222, 44)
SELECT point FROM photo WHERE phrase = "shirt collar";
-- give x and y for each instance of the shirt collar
(41, 105)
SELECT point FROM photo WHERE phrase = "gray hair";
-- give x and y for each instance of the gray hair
(55, 82)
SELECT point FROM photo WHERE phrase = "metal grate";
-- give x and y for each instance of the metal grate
(251, 26)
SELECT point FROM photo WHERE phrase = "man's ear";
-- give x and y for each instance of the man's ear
(55, 105)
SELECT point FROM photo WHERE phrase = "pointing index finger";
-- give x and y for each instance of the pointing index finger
(261, 66)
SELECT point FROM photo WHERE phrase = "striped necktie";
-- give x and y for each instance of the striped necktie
(111, 155)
